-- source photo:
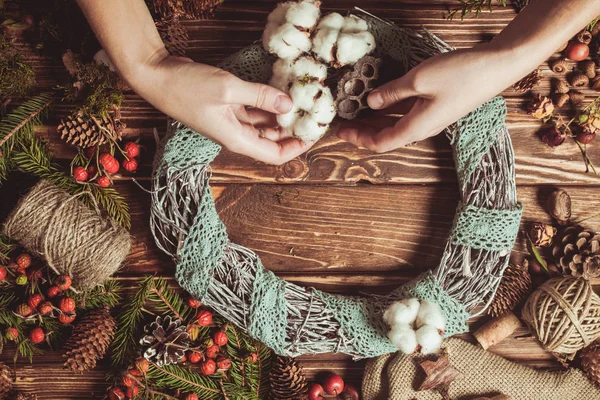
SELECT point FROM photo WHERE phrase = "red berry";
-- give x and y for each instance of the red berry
(193, 303)
(90, 152)
(35, 300)
(34, 274)
(37, 335)
(45, 308)
(208, 367)
(3, 273)
(350, 393)
(315, 391)
(132, 149)
(132, 391)
(134, 372)
(194, 357)
(142, 365)
(109, 163)
(333, 385)
(23, 261)
(252, 358)
(12, 333)
(223, 363)
(80, 174)
(67, 305)
(190, 396)
(127, 381)
(53, 291)
(130, 165)
(24, 310)
(577, 51)
(103, 181)
(116, 394)
(63, 282)
(92, 171)
(66, 318)
(212, 351)
(182, 359)
(220, 338)
(586, 137)
(204, 318)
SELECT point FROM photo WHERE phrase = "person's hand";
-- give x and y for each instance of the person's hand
(440, 90)
(237, 114)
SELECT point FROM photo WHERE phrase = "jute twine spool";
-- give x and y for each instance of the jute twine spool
(564, 313)
(73, 239)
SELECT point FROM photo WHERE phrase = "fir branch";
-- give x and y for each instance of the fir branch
(112, 202)
(176, 377)
(27, 349)
(29, 120)
(6, 247)
(468, 7)
(106, 294)
(167, 301)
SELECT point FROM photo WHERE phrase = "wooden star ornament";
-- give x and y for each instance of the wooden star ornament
(439, 375)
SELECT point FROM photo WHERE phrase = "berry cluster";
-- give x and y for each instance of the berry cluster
(333, 386)
(39, 294)
(131, 381)
(99, 167)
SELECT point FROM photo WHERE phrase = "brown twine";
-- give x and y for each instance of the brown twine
(564, 313)
(73, 239)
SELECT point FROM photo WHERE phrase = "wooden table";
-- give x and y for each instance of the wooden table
(337, 218)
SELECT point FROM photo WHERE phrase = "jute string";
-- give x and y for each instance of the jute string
(72, 238)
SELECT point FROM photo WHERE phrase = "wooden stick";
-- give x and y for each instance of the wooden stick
(497, 330)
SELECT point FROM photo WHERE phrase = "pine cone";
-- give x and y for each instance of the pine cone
(81, 131)
(165, 341)
(90, 340)
(578, 252)
(528, 82)
(6, 381)
(287, 380)
(195, 9)
(590, 361)
(513, 288)
(174, 36)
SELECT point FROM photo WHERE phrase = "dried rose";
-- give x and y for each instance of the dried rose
(541, 107)
(542, 234)
(553, 135)
(589, 123)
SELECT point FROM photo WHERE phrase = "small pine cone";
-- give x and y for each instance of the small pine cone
(287, 380)
(89, 341)
(514, 287)
(6, 381)
(578, 252)
(201, 9)
(590, 361)
(174, 36)
(528, 82)
(561, 86)
(576, 97)
(81, 131)
(589, 68)
(561, 99)
(579, 80)
(584, 37)
(560, 66)
(168, 8)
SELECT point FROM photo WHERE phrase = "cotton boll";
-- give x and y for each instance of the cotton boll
(303, 15)
(304, 94)
(288, 120)
(323, 110)
(277, 16)
(403, 312)
(268, 34)
(403, 338)
(308, 129)
(288, 42)
(324, 43)
(282, 74)
(353, 24)
(351, 47)
(331, 21)
(429, 339)
(309, 66)
(431, 314)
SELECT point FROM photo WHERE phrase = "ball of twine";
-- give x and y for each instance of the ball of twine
(73, 239)
(564, 313)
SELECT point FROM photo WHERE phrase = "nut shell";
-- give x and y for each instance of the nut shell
(354, 87)
(584, 37)
(576, 97)
(561, 86)
(561, 99)
(588, 67)
(580, 80)
(558, 205)
(560, 66)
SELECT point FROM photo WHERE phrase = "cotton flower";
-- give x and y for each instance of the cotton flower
(403, 312)
(429, 339)
(431, 314)
(404, 338)
(304, 14)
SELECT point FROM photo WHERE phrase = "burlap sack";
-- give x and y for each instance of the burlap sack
(394, 376)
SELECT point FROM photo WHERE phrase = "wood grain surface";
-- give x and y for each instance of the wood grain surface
(337, 218)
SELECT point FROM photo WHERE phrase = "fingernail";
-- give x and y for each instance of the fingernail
(283, 104)
(375, 100)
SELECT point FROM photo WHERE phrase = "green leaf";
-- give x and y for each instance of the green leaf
(536, 254)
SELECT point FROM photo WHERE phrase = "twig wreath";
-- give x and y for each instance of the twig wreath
(295, 320)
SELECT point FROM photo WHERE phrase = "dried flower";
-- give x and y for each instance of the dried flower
(541, 107)
(560, 66)
(579, 80)
(590, 123)
(542, 234)
(554, 135)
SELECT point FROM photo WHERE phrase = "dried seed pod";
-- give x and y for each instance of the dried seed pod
(529, 81)
(589, 68)
(579, 80)
(560, 66)
(561, 99)
(558, 205)
(561, 86)
(576, 97)
(595, 84)
(584, 37)
(354, 87)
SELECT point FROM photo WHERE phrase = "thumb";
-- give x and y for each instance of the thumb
(263, 97)
(391, 93)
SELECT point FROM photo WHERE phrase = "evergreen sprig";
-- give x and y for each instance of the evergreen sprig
(468, 7)
(106, 294)
(171, 377)
(6, 247)
(165, 300)
(16, 75)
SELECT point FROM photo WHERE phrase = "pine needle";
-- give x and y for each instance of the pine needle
(468, 7)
